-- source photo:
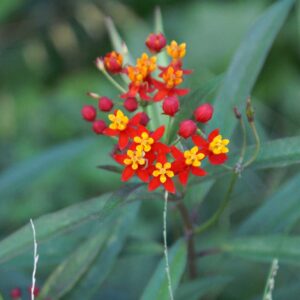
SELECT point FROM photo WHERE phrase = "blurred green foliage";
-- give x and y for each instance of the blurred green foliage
(49, 157)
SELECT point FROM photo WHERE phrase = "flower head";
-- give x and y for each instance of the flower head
(118, 121)
(176, 51)
(113, 62)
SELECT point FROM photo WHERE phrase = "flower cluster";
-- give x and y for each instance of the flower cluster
(148, 153)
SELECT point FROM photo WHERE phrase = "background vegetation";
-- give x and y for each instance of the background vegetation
(49, 156)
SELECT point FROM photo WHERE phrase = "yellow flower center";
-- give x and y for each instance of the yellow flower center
(218, 145)
(192, 157)
(172, 77)
(176, 51)
(146, 64)
(118, 121)
(135, 159)
(162, 170)
(137, 75)
(144, 142)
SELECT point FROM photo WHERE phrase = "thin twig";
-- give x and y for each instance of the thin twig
(35, 260)
(271, 280)
(166, 246)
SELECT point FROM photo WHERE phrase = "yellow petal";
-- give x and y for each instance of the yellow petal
(163, 178)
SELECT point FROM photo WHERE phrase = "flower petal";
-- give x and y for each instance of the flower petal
(200, 141)
(177, 154)
(213, 134)
(153, 184)
(217, 159)
(169, 186)
(184, 176)
(198, 171)
(128, 172)
(158, 133)
(143, 175)
(110, 132)
(123, 140)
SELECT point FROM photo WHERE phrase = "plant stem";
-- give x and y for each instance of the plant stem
(189, 232)
(168, 130)
(210, 222)
(257, 147)
(112, 81)
(166, 246)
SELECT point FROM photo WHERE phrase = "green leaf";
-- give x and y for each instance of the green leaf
(278, 153)
(265, 248)
(157, 287)
(8, 6)
(49, 225)
(22, 174)
(120, 228)
(116, 40)
(246, 65)
(196, 289)
(278, 213)
(143, 247)
(69, 272)
(98, 255)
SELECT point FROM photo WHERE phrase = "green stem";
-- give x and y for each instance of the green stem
(257, 147)
(244, 145)
(201, 133)
(210, 222)
(168, 129)
(112, 81)
(166, 246)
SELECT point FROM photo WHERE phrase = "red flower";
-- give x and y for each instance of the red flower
(186, 162)
(172, 77)
(122, 126)
(214, 147)
(113, 62)
(162, 174)
(136, 163)
(155, 42)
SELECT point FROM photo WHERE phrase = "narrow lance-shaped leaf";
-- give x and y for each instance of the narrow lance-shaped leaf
(278, 213)
(157, 288)
(49, 225)
(92, 260)
(265, 248)
(121, 226)
(22, 174)
(246, 65)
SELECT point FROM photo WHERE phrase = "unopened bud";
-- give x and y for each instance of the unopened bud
(105, 104)
(204, 112)
(131, 104)
(156, 42)
(89, 113)
(99, 126)
(16, 293)
(249, 111)
(170, 106)
(187, 128)
(237, 113)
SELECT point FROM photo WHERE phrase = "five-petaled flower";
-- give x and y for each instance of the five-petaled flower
(186, 162)
(162, 174)
(214, 147)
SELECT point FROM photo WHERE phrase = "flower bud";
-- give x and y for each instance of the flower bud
(99, 126)
(105, 104)
(204, 112)
(15, 293)
(89, 113)
(249, 111)
(237, 113)
(113, 62)
(131, 104)
(187, 128)
(144, 119)
(170, 106)
(155, 42)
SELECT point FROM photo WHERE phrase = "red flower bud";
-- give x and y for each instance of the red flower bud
(144, 119)
(187, 128)
(89, 113)
(36, 290)
(99, 126)
(171, 106)
(204, 112)
(15, 293)
(113, 62)
(131, 104)
(155, 42)
(105, 104)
